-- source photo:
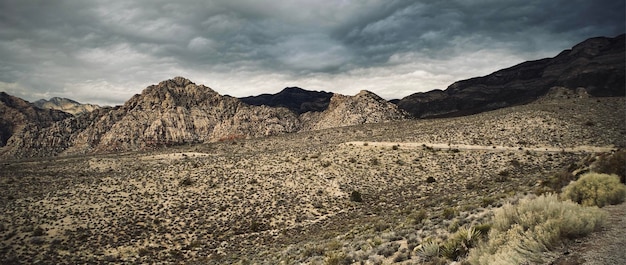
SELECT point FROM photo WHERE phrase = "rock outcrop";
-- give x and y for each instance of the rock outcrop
(16, 114)
(178, 111)
(596, 64)
(364, 107)
(175, 111)
(295, 99)
(66, 105)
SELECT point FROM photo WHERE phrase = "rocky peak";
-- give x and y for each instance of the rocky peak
(364, 107)
(176, 92)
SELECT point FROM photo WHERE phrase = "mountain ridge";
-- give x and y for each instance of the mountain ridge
(177, 111)
(597, 64)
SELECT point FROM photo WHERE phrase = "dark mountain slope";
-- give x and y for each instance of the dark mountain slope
(295, 99)
(596, 64)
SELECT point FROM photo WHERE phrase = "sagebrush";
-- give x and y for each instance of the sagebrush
(595, 189)
(524, 232)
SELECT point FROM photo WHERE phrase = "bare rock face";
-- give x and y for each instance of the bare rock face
(596, 64)
(364, 107)
(66, 105)
(175, 111)
(16, 114)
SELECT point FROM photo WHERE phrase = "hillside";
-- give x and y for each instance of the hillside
(596, 64)
(287, 198)
(17, 115)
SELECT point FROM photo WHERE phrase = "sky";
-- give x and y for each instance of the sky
(105, 51)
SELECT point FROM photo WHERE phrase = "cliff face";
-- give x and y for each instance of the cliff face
(596, 64)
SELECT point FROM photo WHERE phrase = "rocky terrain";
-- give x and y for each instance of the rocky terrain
(177, 111)
(66, 105)
(17, 115)
(596, 64)
(331, 196)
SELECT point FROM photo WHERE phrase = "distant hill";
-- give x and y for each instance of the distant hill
(295, 99)
(596, 64)
(65, 104)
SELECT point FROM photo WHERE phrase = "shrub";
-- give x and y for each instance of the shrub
(187, 181)
(615, 164)
(430, 179)
(389, 249)
(428, 250)
(355, 196)
(38, 231)
(417, 217)
(521, 233)
(337, 258)
(459, 244)
(595, 189)
(449, 213)
(559, 180)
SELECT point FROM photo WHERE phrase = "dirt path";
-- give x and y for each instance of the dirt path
(602, 248)
(549, 149)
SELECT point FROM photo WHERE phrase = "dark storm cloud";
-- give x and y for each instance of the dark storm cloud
(105, 51)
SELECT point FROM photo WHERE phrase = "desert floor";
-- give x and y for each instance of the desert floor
(291, 198)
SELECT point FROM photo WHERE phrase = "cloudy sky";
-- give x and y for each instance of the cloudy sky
(105, 51)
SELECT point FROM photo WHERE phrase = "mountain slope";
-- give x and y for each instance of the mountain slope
(16, 114)
(596, 64)
(64, 104)
(175, 111)
(295, 99)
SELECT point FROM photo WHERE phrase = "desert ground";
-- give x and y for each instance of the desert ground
(364, 194)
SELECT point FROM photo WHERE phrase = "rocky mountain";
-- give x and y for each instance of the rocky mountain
(596, 64)
(295, 99)
(364, 107)
(64, 104)
(178, 111)
(16, 114)
(175, 111)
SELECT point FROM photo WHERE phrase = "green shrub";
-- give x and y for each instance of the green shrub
(521, 233)
(459, 243)
(428, 250)
(595, 189)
